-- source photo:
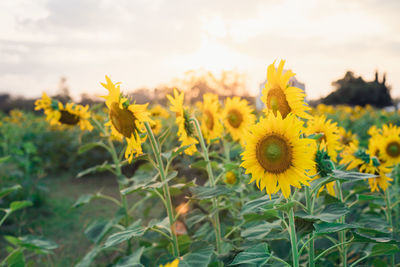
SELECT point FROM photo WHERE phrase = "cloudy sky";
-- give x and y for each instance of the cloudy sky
(144, 43)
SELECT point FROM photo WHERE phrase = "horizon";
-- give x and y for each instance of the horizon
(146, 44)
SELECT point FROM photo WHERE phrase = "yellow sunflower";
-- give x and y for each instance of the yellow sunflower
(126, 119)
(210, 120)
(175, 263)
(185, 127)
(347, 137)
(238, 117)
(324, 167)
(157, 111)
(70, 114)
(365, 162)
(330, 131)
(279, 95)
(230, 177)
(156, 126)
(389, 149)
(276, 156)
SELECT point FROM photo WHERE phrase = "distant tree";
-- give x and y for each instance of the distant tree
(63, 91)
(352, 90)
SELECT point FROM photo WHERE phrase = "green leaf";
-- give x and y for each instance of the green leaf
(331, 227)
(200, 164)
(199, 255)
(367, 197)
(17, 205)
(86, 147)
(98, 229)
(4, 159)
(98, 168)
(7, 190)
(16, 259)
(384, 249)
(254, 256)
(32, 242)
(260, 230)
(351, 176)
(257, 205)
(132, 260)
(84, 199)
(134, 230)
(89, 257)
(330, 213)
(285, 206)
(206, 192)
(358, 237)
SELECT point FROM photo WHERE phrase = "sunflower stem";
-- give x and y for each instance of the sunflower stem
(217, 225)
(293, 238)
(342, 234)
(117, 164)
(310, 211)
(389, 218)
(157, 154)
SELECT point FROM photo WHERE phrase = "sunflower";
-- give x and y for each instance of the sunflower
(347, 137)
(69, 114)
(324, 167)
(126, 119)
(185, 127)
(330, 131)
(276, 156)
(156, 126)
(237, 116)
(278, 95)
(365, 162)
(230, 177)
(210, 120)
(157, 111)
(175, 263)
(387, 142)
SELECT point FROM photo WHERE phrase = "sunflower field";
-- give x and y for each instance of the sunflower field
(216, 183)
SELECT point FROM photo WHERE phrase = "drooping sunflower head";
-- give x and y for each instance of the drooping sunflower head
(70, 114)
(237, 117)
(360, 159)
(330, 134)
(210, 118)
(186, 129)
(280, 96)
(276, 156)
(126, 119)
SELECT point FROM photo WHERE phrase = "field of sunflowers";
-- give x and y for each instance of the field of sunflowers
(216, 183)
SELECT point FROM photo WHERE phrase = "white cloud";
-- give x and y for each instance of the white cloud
(144, 43)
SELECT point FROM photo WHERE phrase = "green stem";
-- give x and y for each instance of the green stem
(157, 154)
(389, 218)
(342, 234)
(117, 164)
(331, 248)
(359, 260)
(4, 217)
(217, 225)
(311, 244)
(293, 238)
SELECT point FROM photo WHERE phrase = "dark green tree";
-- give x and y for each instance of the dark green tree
(352, 90)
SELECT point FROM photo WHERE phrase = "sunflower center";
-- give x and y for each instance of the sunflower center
(123, 120)
(274, 153)
(209, 119)
(393, 149)
(235, 118)
(276, 100)
(68, 118)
